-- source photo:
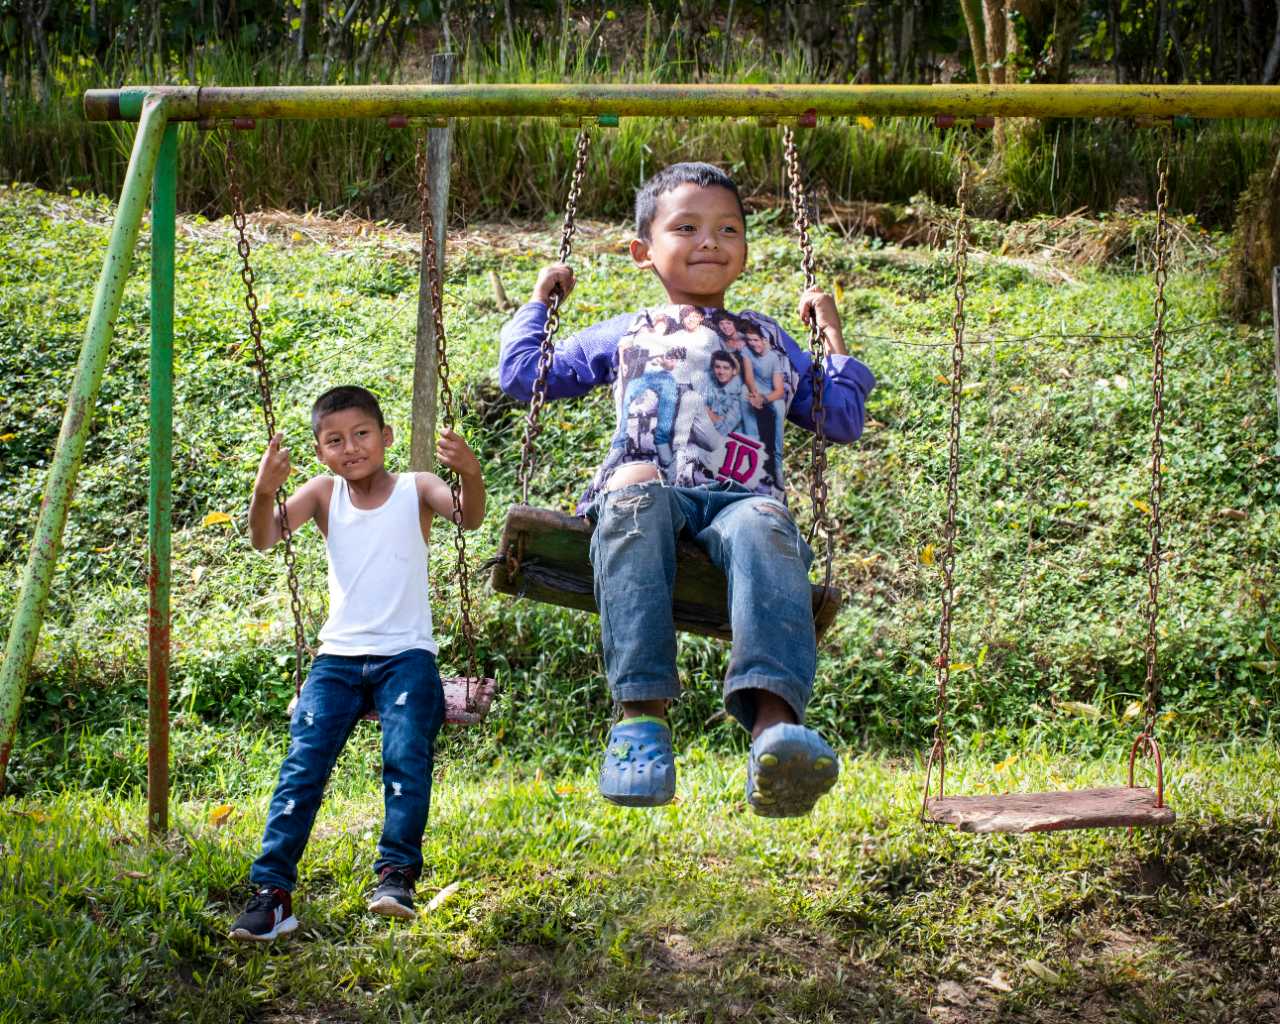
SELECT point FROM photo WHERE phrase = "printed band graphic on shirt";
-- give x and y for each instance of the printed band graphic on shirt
(702, 395)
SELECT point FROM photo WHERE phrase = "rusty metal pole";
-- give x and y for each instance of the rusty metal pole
(24, 628)
(1275, 324)
(670, 100)
(164, 197)
(439, 158)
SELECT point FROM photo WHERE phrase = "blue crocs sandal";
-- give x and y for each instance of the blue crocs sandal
(639, 767)
(789, 768)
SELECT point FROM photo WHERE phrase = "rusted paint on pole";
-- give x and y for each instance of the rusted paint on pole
(164, 197)
(24, 629)
(422, 454)
(1275, 327)
(524, 100)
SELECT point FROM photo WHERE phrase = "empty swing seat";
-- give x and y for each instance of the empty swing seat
(1108, 807)
(458, 710)
(544, 555)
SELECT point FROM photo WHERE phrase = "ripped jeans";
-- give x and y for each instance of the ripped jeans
(406, 691)
(754, 540)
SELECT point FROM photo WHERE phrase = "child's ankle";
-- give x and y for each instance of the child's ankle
(644, 709)
(771, 710)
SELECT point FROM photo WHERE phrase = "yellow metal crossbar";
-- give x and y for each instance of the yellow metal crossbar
(340, 101)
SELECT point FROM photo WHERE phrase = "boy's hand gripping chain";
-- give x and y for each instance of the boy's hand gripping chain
(818, 491)
(264, 389)
(547, 348)
(431, 260)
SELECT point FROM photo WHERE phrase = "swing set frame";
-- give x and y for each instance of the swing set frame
(153, 172)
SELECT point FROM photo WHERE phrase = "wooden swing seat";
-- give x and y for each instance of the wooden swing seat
(457, 711)
(544, 555)
(1108, 807)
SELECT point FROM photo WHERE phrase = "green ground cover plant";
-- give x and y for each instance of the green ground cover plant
(550, 905)
(1048, 633)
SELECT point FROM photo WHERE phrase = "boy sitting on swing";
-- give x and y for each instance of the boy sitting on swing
(376, 648)
(724, 488)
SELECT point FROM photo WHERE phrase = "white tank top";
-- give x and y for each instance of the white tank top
(378, 601)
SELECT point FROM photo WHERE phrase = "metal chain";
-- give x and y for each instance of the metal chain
(264, 389)
(432, 262)
(818, 489)
(1157, 442)
(943, 663)
(547, 348)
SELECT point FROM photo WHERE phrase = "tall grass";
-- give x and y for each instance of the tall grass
(511, 167)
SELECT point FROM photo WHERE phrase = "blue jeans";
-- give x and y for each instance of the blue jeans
(405, 690)
(754, 540)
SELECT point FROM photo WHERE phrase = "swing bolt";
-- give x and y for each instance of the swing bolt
(809, 119)
(397, 121)
(244, 124)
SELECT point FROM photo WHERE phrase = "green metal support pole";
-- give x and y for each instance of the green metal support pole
(164, 199)
(189, 103)
(24, 629)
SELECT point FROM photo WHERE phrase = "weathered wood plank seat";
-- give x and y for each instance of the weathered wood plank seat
(1108, 807)
(544, 555)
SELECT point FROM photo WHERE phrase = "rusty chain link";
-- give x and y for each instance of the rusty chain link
(1157, 441)
(431, 262)
(547, 348)
(937, 752)
(818, 489)
(264, 389)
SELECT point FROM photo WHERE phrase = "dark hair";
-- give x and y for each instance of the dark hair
(721, 356)
(671, 178)
(686, 310)
(346, 396)
(668, 324)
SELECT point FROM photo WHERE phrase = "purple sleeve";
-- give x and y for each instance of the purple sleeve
(581, 362)
(846, 382)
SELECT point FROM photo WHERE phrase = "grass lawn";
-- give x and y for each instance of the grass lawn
(566, 909)
(559, 907)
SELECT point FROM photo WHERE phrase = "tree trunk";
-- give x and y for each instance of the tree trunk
(728, 42)
(1113, 15)
(1272, 64)
(996, 18)
(509, 33)
(337, 32)
(1067, 16)
(978, 39)
(302, 32)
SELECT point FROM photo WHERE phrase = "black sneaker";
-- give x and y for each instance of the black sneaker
(394, 895)
(268, 914)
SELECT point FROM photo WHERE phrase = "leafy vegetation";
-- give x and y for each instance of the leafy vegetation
(1051, 592)
(558, 907)
(518, 167)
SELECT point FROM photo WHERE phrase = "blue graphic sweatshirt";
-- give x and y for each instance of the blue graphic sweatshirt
(700, 393)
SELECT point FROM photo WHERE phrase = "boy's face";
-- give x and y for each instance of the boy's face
(726, 327)
(351, 444)
(756, 343)
(697, 244)
(724, 371)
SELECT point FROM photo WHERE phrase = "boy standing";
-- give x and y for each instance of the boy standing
(725, 490)
(376, 650)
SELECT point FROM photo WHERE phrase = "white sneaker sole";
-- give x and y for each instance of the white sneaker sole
(388, 907)
(286, 926)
